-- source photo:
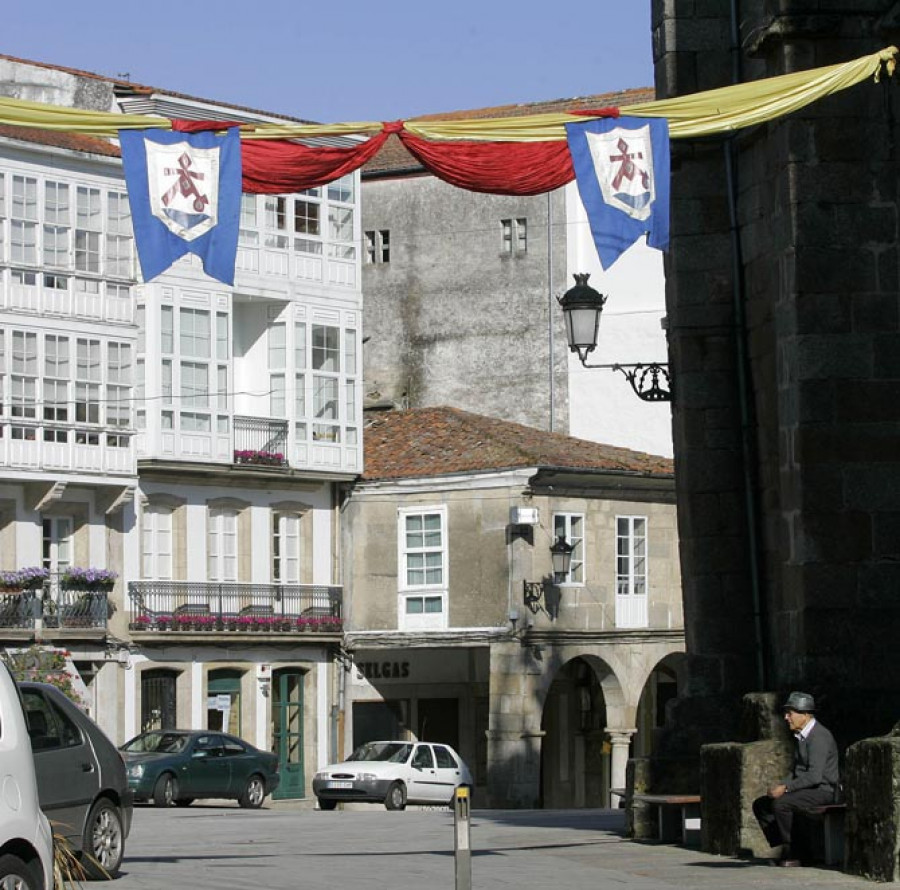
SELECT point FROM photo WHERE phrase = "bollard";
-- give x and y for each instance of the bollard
(461, 849)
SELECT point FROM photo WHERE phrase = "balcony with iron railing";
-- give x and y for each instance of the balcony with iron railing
(260, 441)
(179, 608)
(54, 610)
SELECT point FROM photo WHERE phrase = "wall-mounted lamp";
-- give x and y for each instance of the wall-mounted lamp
(582, 307)
(561, 559)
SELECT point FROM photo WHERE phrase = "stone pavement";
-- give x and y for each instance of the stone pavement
(289, 845)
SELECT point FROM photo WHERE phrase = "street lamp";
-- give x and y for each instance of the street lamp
(561, 560)
(582, 306)
(561, 556)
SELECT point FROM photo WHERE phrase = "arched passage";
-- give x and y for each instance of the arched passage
(579, 705)
(663, 685)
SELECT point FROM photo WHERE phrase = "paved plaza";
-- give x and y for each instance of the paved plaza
(289, 845)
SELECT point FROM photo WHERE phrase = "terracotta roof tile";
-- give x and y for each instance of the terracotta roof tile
(443, 441)
(58, 139)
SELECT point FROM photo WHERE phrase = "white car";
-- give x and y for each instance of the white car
(393, 773)
(26, 841)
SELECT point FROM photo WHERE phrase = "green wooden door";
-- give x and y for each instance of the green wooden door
(287, 732)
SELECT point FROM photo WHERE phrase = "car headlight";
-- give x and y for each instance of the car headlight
(367, 777)
(320, 776)
(136, 770)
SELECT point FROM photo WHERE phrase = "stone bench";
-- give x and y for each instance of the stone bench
(678, 816)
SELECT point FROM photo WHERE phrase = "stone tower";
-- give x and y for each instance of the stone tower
(783, 301)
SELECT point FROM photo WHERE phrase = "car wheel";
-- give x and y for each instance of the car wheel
(165, 792)
(396, 797)
(104, 840)
(17, 875)
(254, 794)
(326, 804)
(184, 801)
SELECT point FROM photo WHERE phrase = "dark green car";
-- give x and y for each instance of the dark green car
(174, 766)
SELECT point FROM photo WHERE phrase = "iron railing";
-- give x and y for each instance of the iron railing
(234, 606)
(55, 607)
(260, 440)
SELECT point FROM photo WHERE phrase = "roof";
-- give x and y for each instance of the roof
(393, 157)
(58, 139)
(427, 442)
(122, 86)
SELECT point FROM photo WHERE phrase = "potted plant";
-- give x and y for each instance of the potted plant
(31, 578)
(88, 579)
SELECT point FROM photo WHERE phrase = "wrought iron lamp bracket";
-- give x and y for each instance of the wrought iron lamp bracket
(650, 381)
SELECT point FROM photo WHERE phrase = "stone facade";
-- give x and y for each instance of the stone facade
(786, 418)
(784, 335)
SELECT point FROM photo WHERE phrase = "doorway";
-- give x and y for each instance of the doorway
(287, 732)
(158, 701)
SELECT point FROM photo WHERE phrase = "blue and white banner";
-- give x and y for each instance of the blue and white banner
(185, 196)
(622, 172)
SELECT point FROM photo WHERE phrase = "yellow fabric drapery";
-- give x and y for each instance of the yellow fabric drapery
(698, 114)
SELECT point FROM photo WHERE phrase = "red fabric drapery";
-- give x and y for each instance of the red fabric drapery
(500, 168)
(278, 166)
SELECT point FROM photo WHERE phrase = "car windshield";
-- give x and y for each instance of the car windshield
(157, 743)
(392, 752)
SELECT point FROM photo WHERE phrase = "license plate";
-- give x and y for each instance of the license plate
(340, 784)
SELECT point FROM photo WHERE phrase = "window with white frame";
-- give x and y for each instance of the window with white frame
(221, 544)
(23, 227)
(57, 533)
(286, 550)
(57, 225)
(118, 386)
(631, 555)
(88, 229)
(277, 353)
(23, 380)
(571, 526)
(423, 568)
(88, 373)
(119, 239)
(56, 378)
(195, 347)
(156, 542)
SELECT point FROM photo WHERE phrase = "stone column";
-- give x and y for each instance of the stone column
(620, 739)
(514, 736)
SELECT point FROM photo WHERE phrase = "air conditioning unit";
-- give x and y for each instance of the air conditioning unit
(524, 515)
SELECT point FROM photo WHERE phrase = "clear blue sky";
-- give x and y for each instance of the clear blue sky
(346, 60)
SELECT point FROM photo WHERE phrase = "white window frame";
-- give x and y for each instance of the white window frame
(425, 591)
(287, 547)
(156, 542)
(563, 525)
(222, 544)
(631, 584)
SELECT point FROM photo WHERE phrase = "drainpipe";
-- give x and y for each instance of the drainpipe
(748, 443)
(550, 307)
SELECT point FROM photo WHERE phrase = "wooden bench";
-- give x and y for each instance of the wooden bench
(678, 815)
(831, 818)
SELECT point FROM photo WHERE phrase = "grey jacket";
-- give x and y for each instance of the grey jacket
(815, 761)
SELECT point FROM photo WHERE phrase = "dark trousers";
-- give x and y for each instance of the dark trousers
(776, 814)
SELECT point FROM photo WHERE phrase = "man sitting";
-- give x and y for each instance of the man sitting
(813, 781)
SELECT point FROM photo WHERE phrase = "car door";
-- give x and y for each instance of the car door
(242, 764)
(67, 775)
(448, 773)
(422, 785)
(209, 769)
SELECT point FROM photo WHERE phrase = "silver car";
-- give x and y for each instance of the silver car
(81, 778)
(26, 845)
(393, 773)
